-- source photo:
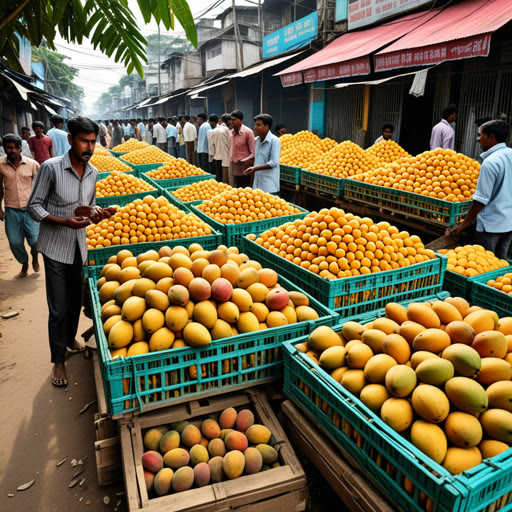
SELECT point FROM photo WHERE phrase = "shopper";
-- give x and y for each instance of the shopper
(117, 134)
(41, 146)
(59, 136)
(142, 127)
(160, 134)
(135, 131)
(280, 130)
(202, 142)
(221, 142)
(17, 175)
(241, 150)
(102, 135)
(25, 134)
(267, 152)
(387, 133)
(148, 135)
(172, 137)
(492, 205)
(213, 121)
(189, 137)
(443, 134)
(126, 127)
(63, 184)
(180, 146)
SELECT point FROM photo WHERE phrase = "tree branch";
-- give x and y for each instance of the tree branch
(14, 13)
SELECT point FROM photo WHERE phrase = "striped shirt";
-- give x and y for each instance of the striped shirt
(58, 191)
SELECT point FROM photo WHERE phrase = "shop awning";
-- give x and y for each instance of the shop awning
(457, 32)
(195, 92)
(143, 103)
(349, 55)
(264, 65)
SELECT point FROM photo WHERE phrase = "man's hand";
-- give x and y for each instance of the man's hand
(249, 171)
(103, 213)
(455, 230)
(77, 222)
(2, 215)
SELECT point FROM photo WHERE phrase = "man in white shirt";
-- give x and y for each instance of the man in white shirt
(221, 142)
(160, 133)
(387, 133)
(148, 134)
(443, 135)
(189, 136)
(25, 134)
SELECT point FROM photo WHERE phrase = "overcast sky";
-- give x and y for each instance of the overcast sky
(98, 73)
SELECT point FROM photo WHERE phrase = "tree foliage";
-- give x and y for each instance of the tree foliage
(109, 24)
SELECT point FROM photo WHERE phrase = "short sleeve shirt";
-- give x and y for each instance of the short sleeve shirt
(40, 147)
(18, 182)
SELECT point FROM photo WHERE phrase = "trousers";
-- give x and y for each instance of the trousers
(19, 225)
(182, 152)
(162, 146)
(498, 243)
(203, 162)
(189, 147)
(64, 297)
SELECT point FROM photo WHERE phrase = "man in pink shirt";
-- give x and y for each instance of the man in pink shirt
(443, 135)
(40, 144)
(241, 150)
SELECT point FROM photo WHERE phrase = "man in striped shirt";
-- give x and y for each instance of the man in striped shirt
(62, 184)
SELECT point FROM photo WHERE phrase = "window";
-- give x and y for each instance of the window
(178, 66)
(214, 52)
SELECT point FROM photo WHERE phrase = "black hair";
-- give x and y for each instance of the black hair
(226, 118)
(11, 138)
(388, 126)
(279, 127)
(497, 128)
(448, 111)
(161, 119)
(127, 137)
(214, 118)
(37, 124)
(139, 120)
(187, 118)
(237, 114)
(169, 119)
(265, 118)
(180, 117)
(80, 124)
(25, 129)
(151, 120)
(115, 121)
(56, 120)
(202, 115)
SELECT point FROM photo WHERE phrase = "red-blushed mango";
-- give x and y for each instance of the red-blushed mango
(258, 434)
(210, 429)
(152, 439)
(268, 453)
(169, 441)
(216, 469)
(176, 458)
(244, 419)
(222, 290)
(202, 474)
(149, 479)
(199, 289)
(162, 483)
(198, 453)
(227, 418)
(253, 461)
(277, 299)
(216, 448)
(152, 461)
(233, 464)
(183, 479)
(178, 295)
(191, 435)
(236, 441)
(224, 432)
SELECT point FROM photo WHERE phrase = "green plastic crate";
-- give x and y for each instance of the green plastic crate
(384, 456)
(233, 233)
(489, 297)
(128, 198)
(322, 183)
(179, 182)
(355, 295)
(117, 154)
(158, 379)
(435, 211)
(289, 174)
(142, 167)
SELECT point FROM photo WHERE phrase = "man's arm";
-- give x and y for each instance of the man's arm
(275, 153)
(2, 215)
(30, 143)
(52, 151)
(476, 208)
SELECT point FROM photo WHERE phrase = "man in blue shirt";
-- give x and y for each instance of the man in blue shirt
(59, 136)
(172, 137)
(126, 127)
(492, 204)
(142, 127)
(267, 152)
(202, 142)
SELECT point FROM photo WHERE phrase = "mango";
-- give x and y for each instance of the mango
(277, 299)
(397, 347)
(164, 285)
(210, 429)
(179, 426)
(149, 255)
(228, 311)
(221, 290)
(374, 338)
(137, 349)
(139, 334)
(110, 323)
(352, 331)
(463, 429)
(230, 273)
(162, 339)
(500, 395)
(258, 434)
(183, 479)
(397, 413)
(396, 312)
(233, 464)
(446, 312)
(458, 460)
(176, 318)
(201, 474)
(489, 448)
(435, 371)
(385, 325)
(216, 469)
(216, 447)
(430, 439)
(169, 441)
(158, 271)
(120, 335)
(461, 304)
(176, 458)
(460, 332)
(149, 479)
(119, 352)
(305, 313)
(268, 453)
(490, 344)
(236, 441)
(178, 295)
(157, 299)
(247, 277)
(112, 310)
(196, 335)
(493, 370)
(198, 453)
(430, 403)
(143, 265)
(376, 368)
(409, 330)
(358, 355)
(205, 313)
(133, 308)
(141, 286)
(162, 481)
(152, 461)
(227, 418)
(354, 381)
(505, 326)
(253, 461)
(211, 273)
(423, 315)
(332, 358)
(482, 320)
(224, 432)
(106, 292)
(248, 322)
(218, 257)
(431, 340)
(298, 298)
(497, 424)
(373, 396)
(400, 380)
(466, 394)
(261, 311)
(242, 299)
(276, 319)
(288, 311)
(465, 359)
(244, 419)
(152, 439)
(152, 320)
(199, 289)
(191, 435)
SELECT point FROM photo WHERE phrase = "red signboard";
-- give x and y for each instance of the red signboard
(354, 67)
(475, 46)
(291, 79)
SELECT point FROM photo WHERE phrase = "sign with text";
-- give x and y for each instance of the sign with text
(366, 12)
(476, 46)
(291, 79)
(354, 67)
(292, 36)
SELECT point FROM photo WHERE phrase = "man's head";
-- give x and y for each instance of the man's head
(387, 131)
(38, 128)
(449, 114)
(151, 122)
(12, 146)
(262, 125)
(133, 123)
(127, 137)
(280, 130)
(139, 120)
(162, 121)
(25, 132)
(236, 119)
(201, 118)
(170, 121)
(115, 122)
(82, 136)
(226, 119)
(213, 120)
(491, 133)
(182, 120)
(57, 121)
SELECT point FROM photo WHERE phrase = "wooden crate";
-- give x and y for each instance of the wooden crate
(349, 484)
(281, 489)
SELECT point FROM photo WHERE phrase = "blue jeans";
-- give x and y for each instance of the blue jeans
(19, 225)
(182, 152)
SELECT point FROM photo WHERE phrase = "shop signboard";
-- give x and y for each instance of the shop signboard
(292, 36)
(341, 10)
(366, 12)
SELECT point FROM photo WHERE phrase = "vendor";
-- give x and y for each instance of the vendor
(387, 133)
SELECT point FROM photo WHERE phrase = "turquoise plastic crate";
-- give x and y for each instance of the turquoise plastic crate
(358, 294)
(158, 379)
(142, 167)
(384, 456)
(117, 154)
(289, 174)
(489, 297)
(435, 211)
(180, 204)
(179, 182)
(322, 183)
(233, 233)
(100, 256)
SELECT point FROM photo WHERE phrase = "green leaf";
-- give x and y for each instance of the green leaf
(182, 11)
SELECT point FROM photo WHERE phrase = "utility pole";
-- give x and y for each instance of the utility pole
(237, 40)
(158, 49)
(260, 27)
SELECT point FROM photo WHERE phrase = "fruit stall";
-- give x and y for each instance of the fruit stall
(281, 339)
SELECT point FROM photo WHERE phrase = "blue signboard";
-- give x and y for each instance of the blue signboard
(292, 36)
(341, 12)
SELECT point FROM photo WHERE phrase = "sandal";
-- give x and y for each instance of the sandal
(23, 274)
(58, 383)
(36, 267)
(76, 348)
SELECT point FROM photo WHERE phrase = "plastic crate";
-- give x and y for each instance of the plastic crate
(289, 174)
(355, 295)
(117, 153)
(142, 167)
(489, 297)
(435, 211)
(322, 183)
(385, 456)
(158, 379)
(178, 182)
(167, 193)
(97, 257)
(234, 233)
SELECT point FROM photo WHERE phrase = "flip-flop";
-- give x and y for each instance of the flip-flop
(76, 348)
(36, 267)
(58, 383)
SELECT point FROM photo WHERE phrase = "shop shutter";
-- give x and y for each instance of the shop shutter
(344, 112)
(385, 107)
